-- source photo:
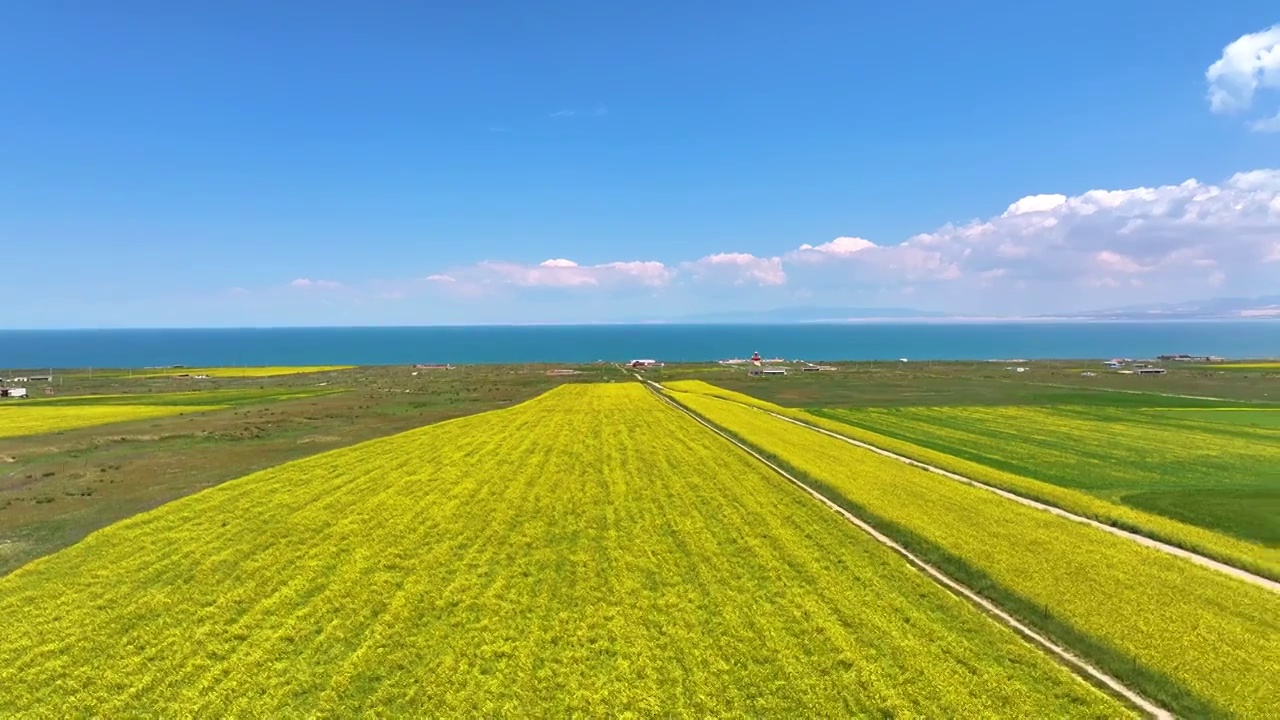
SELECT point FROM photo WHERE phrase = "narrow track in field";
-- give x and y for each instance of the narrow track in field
(1077, 664)
(1197, 558)
(1183, 553)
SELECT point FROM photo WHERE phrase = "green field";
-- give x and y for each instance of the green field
(934, 384)
(1249, 555)
(1186, 636)
(592, 551)
(32, 419)
(1218, 469)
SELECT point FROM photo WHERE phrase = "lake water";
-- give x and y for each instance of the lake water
(518, 344)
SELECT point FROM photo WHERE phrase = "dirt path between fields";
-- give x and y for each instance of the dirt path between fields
(1079, 665)
(1194, 557)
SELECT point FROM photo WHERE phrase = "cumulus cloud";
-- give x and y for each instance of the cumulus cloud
(1100, 236)
(840, 247)
(1102, 246)
(315, 284)
(737, 268)
(563, 273)
(1250, 64)
(905, 260)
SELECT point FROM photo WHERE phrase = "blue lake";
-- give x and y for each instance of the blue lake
(586, 343)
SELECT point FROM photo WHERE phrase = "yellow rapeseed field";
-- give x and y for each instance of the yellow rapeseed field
(17, 419)
(1198, 641)
(1261, 559)
(592, 552)
(244, 372)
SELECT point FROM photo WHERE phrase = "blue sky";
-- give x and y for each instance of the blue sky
(397, 163)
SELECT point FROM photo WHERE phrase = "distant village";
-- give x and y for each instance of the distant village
(759, 366)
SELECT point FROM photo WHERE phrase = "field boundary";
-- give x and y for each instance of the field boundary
(1079, 665)
(1197, 558)
(1174, 550)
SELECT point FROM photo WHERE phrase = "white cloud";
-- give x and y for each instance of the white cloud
(1111, 261)
(1034, 204)
(1108, 233)
(738, 268)
(911, 260)
(1045, 252)
(1271, 124)
(841, 246)
(563, 273)
(563, 113)
(315, 284)
(1257, 180)
(1249, 64)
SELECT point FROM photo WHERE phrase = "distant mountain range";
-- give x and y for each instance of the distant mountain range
(807, 314)
(1211, 309)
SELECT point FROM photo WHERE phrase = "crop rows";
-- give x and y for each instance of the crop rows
(1219, 475)
(36, 419)
(1197, 641)
(1251, 556)
(592, 551)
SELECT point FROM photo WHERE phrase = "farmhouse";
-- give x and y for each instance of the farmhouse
(13, 392)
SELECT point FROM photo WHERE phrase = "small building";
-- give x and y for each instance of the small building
(774, 371)
(1151, 371)
(13, 392)
(644, 363)
(40, 378)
